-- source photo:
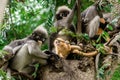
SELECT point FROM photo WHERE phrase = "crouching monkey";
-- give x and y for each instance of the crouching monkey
(28, 53)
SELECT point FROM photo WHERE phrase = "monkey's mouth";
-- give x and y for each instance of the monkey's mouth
(40, 42)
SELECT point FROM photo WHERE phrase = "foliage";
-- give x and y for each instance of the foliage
(53, 29)
(116, 75)
(104, 36)
(100, 48)
(101, 72)
(3, 53)
(3, 76)
(109, 27)
(22, 17)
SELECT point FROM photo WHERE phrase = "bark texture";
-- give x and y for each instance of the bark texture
(3, 4)
(84, 68)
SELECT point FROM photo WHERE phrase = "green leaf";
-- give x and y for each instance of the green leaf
(86, 36)
(99, 39)
(53, 29)
(100, 48)
(110, 27)
(105, 35)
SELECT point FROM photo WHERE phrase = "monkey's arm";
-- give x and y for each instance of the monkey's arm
(8, 49)
(16, 49)
(34, 50)
(71, 15)
(90, 13)
(51, 40)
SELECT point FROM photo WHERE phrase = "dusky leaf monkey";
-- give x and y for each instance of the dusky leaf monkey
(16, 44)
(28, 52)
(63, 20)
(92, 19)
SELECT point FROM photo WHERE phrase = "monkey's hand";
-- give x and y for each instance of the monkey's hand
(55, 60)
(52, 57)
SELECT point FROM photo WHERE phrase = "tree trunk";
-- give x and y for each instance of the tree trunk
(79, 27)
(3, 4)
(70, 70)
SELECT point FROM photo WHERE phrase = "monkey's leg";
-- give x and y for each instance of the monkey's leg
(42, 61)
(23, 74)
(93, 26)
(28, 69)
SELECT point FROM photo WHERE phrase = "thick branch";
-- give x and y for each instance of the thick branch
(3, 4)
(79, 28)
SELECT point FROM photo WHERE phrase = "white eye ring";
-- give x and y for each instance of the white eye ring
(37, 36)
(43, 39)
(61, 15)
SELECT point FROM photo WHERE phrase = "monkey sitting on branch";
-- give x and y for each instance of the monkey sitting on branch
(63, 20)
(26, 52)
(93, 22)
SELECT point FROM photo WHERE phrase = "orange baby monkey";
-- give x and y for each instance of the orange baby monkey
(63, 49)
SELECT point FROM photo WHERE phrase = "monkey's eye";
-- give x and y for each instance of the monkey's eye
(63, 14)
(37, 37)
(43, 39)
(58, 41)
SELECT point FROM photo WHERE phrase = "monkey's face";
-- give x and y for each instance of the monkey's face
(62, 15)
(62, 47)
(37, 36)
(62, 44)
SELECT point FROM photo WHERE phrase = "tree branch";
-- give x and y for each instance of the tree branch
(79, 28)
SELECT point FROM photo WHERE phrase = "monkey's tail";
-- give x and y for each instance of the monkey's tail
(88, 54)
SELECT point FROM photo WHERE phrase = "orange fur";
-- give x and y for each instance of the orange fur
(63, 49)
(100, 30)
(89, 54)
(102, 20)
